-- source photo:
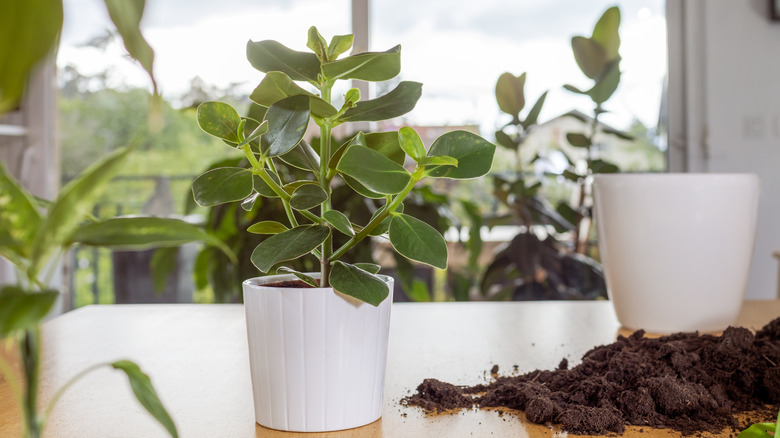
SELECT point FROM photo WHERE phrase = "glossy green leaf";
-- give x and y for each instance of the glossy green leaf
(361, 189)
(358, 139)
(307, 197)
(606, 85)
(357, 283)
(574, 89)
(371, 268)
(29, 31)
(20, 310)
(339, 221)
(288, 245)
(411, 143)
(606, 32)
(287, 122)
(267, 227)
(268, 56)
(533, 115)
(276, 86)
(138, 233)
(293, 186)
(339, 44)
(162, 265)
(73, 203)
(578, 140)
(254, 134)
(758, 430)
(474, 155)
(368, 66)
(351, 97)
(387, 144)
(509, 93)
(375, 171)
(396, 103)
(441, 160)
(220, 120)
(19, 218)
(503, 139)
(590, 56)
(262, 188)
(145, 393)
(126, 15)
(311, 281)
(303, 157)
(317, 44)
(219, 186)
(416, 240)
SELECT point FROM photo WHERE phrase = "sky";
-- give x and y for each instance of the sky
(456, 48)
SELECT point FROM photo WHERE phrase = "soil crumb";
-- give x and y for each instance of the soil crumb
(685, 381)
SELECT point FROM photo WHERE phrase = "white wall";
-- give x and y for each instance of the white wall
(741, 114)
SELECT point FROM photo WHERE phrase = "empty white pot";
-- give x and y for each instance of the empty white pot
(676, 248)
(317, 357)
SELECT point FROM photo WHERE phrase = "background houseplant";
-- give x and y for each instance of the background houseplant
(297, 334)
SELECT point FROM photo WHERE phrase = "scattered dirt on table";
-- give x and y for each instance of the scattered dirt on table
(687, 382)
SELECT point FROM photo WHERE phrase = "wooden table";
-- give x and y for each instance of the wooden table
(196, 356)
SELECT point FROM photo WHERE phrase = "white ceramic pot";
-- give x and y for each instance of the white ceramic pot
(676, 248)
(317, 357)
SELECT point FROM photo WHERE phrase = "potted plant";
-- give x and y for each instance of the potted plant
(318, 341)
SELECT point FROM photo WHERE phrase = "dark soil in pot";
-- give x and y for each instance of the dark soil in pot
(686, 382)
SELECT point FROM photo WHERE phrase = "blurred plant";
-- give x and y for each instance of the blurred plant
(599, 59)
(535, 264)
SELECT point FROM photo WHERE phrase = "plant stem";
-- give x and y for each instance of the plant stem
(67, 385)
(397, 200)
(325, 145)
(30, 349)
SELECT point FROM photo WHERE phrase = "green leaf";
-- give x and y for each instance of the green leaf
(303, 157)
(20, 310)
(574, 89)
(371, 268)
(368, 66)
(606, 85)
(220, 120)
(509, 93)
(339, 44)
(267, 227)
(590, 56)
(146, 395)
(276, 86)
(396, 103)
(288, 245)
(19, 219)
(219, 186)
(439, 161)
(758, 430)
(411, 143)
(387, 144)
(357, 283)
(137, 233)
(474, 155)
(264, 189)
(375, 171)
(339, 221)
(73, 203)
(307, 197)
(606, 32)
(268, 56)
(317, 44)
(29, 31)
(126, 15)
(601, 166)
(578, 140)
(416, 240)
(533, 115)
(287, 122)
(360, 188)
(163, 265)
(503, 139)
(301, 276)
(351, 97)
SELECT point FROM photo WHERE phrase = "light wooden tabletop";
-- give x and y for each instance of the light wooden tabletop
(196, 356)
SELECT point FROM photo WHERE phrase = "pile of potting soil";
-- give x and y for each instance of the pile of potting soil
(686, 382)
